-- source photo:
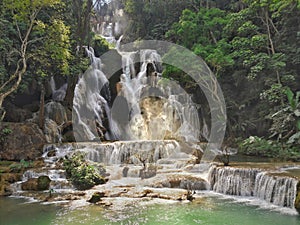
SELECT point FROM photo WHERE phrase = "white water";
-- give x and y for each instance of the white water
(130, 152)
(278, 190)
(157, 109)
(58, 183)
(90, 104)
(167, 113)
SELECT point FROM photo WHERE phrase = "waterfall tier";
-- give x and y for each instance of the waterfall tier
(275, 189)
(130, 152)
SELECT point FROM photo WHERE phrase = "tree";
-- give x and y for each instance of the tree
(78, 15)
(202, 32)
(22, 16)
(250, 45)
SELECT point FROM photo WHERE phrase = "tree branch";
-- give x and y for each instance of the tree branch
(12, 77)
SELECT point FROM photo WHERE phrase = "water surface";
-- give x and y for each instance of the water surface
(210, 210)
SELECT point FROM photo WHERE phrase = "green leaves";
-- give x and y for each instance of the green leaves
(202, 32)
(57, 44)
(294, 100)
(25, 10)
(82, 174)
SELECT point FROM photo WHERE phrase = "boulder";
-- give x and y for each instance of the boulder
(30, 185)
(96, 197)
(43, 183)
(20, 141)
(36, 184)
(56, 112)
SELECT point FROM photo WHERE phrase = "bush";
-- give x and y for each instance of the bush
(256, 146)
(100, 45)
(82, 174)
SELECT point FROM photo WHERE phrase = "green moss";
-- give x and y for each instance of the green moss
(96, 197)
(6, 163)
(43, 183)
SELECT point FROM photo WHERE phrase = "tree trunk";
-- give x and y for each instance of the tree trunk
(2, 110)
(42, 108)
(72, 81)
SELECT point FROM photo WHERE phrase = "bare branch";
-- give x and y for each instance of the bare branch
(273, 25)
(19, 32)
(35, 40)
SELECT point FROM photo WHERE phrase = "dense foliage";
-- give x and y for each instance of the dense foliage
(39, 40)
(82, 174)
(256, 146)
(252, 46)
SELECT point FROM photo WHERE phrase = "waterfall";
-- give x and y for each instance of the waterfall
(51, 155)
(58, 94)
(130, 152)
(91, 112)
(159, 108)
(233, 181)
(275, 189)
(107, 32)
(154, 108)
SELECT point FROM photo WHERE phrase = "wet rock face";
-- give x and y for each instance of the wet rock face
(20, 141)
(16, 114)
(297, 200)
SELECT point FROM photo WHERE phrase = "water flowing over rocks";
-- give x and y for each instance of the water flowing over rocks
(153, 170)
(130, 152)
(276, 189)
(144, 107)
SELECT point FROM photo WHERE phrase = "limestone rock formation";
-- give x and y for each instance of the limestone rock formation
(20, 141)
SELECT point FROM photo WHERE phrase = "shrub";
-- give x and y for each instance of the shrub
(256, 146)
(100, 45)
(82, 174)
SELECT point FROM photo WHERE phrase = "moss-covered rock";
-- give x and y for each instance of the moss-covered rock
(43, 183)
(96, 197)
(30, 185)
(83, 174)
(36, 184)
(7, 178)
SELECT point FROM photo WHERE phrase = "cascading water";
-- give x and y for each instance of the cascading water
(159, 108)
(275, 189)
(91, 111)
(51, 155)
(129, 152)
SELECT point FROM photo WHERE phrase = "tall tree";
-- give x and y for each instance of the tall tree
(22, 17)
